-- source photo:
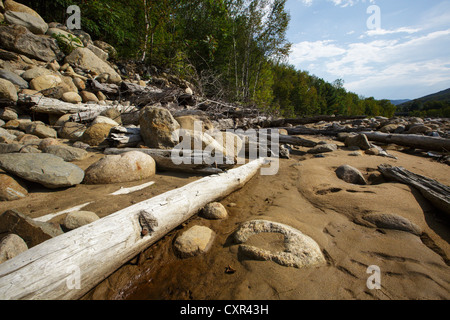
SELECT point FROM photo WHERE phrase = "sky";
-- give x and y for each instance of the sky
(386, 49)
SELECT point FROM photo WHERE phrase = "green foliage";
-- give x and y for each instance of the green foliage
(232, 49)
(67, 43)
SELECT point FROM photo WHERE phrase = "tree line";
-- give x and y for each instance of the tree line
(233, 50)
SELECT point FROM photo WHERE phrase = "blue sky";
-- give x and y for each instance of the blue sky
(404, 55)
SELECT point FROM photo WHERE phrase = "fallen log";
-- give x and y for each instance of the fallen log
(411, 140)
(193, 162)
(300, 130)
(58, 107)
(68, 266)
(310, 120)
(437, 193)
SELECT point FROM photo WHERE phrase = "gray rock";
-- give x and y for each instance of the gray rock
(12, 245)
(214, 210)
(13, 78)
(158, 127)
(36, 72)
(33, 23)
(323, 148)
(395, 222)
(31, 231)
(10, 148)
(78, 219)
(67, 153)
(195, 241)
(129, 166)
(20, 40)
(46, 169)
(359, 141)
(300, 250)
(351, 175)
(40, 130)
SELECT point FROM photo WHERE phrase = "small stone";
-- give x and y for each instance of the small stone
(71, 97)
(323, 148)
(78, 219)
(195, 241)
(214, 210)
(395, 222)
(351, 175)
(88, 96)
(12, 245)
(41, 130)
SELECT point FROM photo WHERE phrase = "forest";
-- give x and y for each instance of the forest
(233, 50)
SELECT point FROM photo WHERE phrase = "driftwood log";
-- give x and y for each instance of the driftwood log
(437, 193)
(411, 140)
(310, 120)
(193, 162)
(68, 266)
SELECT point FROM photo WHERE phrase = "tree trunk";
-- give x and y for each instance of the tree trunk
(411, 140)
(68, 266)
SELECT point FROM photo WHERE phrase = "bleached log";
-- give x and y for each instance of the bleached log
(437, 193)
(194, 162)
(58, 107)
(411, 140)
(68, 266)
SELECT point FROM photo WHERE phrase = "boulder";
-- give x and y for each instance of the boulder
(129, 166)
(187, 122)
(40, 130)
(86, 59)
(195, 241)
(35, 72)
(230, 141)
(20, 40)
(67, 153)
(11, 5)
(31, 231)
(88, 96)
(45, 81)
(351, 175)
(103, 119)
(12, 245)
(112, 52)
(8, 90)
(323, 148)
(72, 131)
(6, 148)
(158, 127)
(46, 169)
(98, 52)
(11, 189)
(8, 114)
(359, 141)
(33, 23)
(71, 97)
(214, 210)
(97, 134)
(13, 78)
(78, 219)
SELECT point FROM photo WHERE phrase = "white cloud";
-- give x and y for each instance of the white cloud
(340, 3)
(382, 32)
(418, 60)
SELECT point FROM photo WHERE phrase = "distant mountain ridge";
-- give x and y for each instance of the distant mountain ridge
(398, 102)
(436, 104)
